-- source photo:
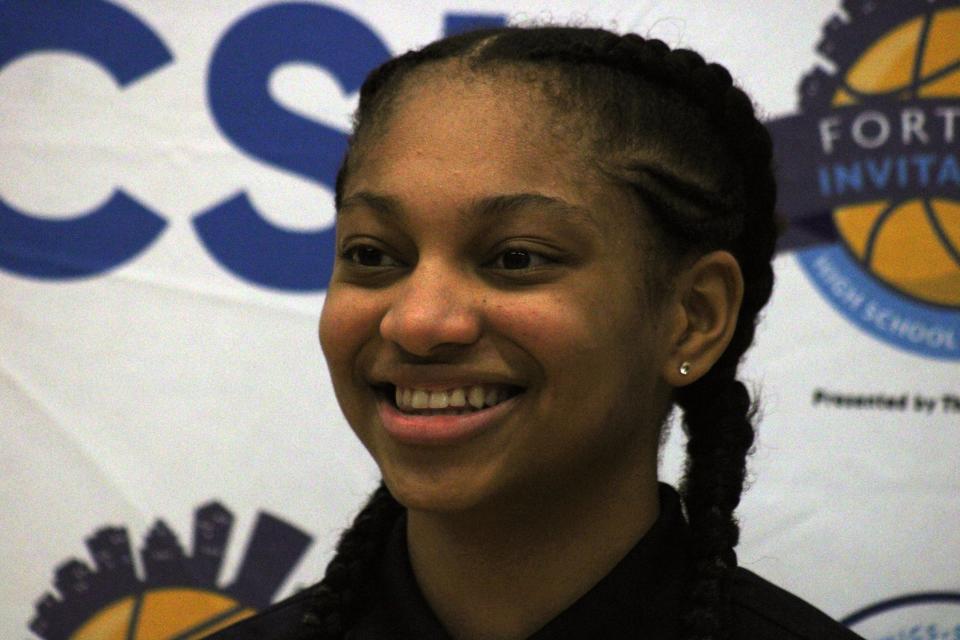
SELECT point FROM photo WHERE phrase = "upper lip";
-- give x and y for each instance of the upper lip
(436, 378)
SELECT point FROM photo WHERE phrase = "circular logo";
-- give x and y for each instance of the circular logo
(910, 245)
(876, 185)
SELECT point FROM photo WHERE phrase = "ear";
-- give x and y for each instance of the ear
(703, 316)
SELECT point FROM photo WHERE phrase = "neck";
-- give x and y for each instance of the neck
(503, 572)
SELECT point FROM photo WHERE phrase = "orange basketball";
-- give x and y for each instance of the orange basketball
(163, 613)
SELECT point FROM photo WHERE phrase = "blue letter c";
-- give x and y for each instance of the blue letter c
(120, 228)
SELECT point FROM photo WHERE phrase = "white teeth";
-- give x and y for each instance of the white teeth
(475, 397)
(438, 399)
(458, 398)
(420, 399)
(470, 398)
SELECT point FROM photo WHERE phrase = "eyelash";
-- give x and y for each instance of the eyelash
(351, 254)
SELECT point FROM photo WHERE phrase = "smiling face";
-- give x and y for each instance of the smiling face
(486, 327)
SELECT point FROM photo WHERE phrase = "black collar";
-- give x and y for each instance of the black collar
(638, 598)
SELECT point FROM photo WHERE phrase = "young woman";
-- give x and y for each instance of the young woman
(547, 238)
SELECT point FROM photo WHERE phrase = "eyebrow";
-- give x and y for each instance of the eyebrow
(498, 205)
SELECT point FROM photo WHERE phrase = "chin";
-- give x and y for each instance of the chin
(433, 490)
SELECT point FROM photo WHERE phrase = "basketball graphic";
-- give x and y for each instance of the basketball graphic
(163, 613)
(179, 597)
(911, 244)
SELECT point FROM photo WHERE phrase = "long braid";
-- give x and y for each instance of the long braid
(340, 598)
(717, 408)
(723, 199)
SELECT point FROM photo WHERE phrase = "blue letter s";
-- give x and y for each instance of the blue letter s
(233, 231)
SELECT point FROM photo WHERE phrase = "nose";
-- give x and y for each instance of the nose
(434, 307)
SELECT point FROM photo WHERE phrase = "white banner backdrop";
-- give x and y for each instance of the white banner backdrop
(171, 450)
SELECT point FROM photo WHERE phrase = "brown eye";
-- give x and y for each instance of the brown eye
(365, 255)
(518, 259)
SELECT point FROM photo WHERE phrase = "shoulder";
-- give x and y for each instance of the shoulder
(284, 619)
(765, 611)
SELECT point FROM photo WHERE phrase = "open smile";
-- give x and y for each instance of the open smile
(432, 416)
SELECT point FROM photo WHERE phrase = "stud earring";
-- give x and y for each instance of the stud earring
(685, 368)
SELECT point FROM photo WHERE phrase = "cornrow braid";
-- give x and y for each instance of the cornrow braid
(348, 584)
(717, 408)
(678, 132)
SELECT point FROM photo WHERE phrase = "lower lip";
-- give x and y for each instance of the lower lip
(440, 429)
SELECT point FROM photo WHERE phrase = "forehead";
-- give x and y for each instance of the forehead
(448, 124)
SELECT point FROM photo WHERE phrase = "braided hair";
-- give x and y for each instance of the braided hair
(677, 132)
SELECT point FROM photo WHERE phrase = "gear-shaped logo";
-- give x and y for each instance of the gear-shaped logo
(178, 598)
(870, 176)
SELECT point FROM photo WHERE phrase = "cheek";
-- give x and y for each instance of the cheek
(557, 330)
(331, 326)
(534, 321)
(346, 322)
(596, 335)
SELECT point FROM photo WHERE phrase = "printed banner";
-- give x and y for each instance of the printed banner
(172, 455)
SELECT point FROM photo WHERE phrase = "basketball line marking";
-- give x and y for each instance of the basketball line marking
(921, 50)
(875, 231)
(135, 617)
(941, 234)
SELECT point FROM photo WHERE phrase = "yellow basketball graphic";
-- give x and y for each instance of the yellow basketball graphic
(913, 245)
(161, 614)
(175, 594)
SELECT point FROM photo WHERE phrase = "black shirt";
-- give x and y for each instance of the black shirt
(639, 598)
